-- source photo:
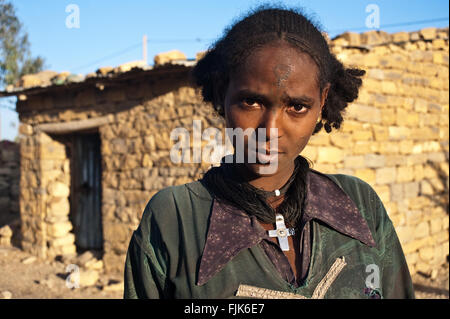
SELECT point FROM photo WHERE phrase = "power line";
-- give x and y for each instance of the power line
(134, 46)
(110, 56)
(394, 25)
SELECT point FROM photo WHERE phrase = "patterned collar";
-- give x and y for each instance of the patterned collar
(231, 230)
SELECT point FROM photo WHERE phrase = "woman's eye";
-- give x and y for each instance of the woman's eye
(250, 102)
(299, 108)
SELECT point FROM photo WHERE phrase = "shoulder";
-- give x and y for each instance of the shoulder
(352, 185)
(363, 195)
(170, 201)
(346, 182)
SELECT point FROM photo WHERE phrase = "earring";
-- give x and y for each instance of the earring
(319, 119)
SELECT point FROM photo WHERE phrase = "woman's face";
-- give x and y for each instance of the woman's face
(276, 87)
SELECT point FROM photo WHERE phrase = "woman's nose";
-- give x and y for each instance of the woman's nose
(270, 122)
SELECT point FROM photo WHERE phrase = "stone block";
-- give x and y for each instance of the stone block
(435, 225)
(406, 146)
(405, 233)
(397, 192)
(6, 232)
(330, 155)
(352, 38)
(388, 116)
(411, 189)
(67, 240)
(342, 140)
(167, 57)
(58, 189)
(417, 203)
(385, 175)
(381, 133)
(426, 253)
(405, 174)
(383, 192)
(366, 174)
(371, 38)
(423, 268)
(389, 87)
(64, 250)
(25, 129)
(399, 132)
(310, 152)
(400, 37)
(421, 230)
(319, 139)
(426, 188)
(52, 151)
(388, 147)
(59, 229)
(119, 146)
(416, 244)
(363, 113)
(365, 135)
(350, 126)
(88, 278)
(354, 161)
(376, 74)
(428, 33)
(374, 161)
(418, 172)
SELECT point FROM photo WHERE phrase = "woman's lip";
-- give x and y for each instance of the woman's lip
(271, 152)
(267, 157)
(264, 150)
(263, 157)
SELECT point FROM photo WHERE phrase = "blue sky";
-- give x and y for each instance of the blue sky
(111, 32)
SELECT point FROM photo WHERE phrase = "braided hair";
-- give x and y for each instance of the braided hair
(262, 26)
(267, 24)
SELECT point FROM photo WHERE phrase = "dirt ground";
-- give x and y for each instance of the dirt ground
(47, 279)
(20, 279)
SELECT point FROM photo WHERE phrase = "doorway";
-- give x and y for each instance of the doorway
(83, 149)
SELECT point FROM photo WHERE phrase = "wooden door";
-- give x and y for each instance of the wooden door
(86, 192)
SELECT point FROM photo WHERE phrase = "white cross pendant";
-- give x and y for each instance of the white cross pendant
(281, 232)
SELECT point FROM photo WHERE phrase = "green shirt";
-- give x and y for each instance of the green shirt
(165, 251)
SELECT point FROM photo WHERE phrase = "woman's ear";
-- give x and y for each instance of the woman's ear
(324, 96)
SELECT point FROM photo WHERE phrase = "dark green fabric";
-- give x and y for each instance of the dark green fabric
(165, 251)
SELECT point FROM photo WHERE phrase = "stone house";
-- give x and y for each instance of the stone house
(94, 149)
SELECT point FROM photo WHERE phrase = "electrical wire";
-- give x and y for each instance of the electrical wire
(385, 26)
(134, 46)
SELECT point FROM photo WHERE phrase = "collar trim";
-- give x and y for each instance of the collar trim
(231, 230)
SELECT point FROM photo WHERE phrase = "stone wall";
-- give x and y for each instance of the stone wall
(44, 189)
(395, 137)
(135, 147)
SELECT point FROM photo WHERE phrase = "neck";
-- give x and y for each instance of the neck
(270, 182)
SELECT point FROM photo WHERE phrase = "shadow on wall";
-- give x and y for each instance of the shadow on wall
(438, 187)
(439, 194)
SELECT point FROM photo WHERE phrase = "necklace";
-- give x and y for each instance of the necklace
(277, 192)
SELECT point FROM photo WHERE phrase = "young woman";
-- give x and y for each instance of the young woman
(293, 232)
